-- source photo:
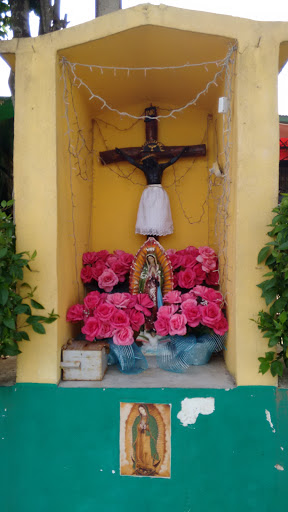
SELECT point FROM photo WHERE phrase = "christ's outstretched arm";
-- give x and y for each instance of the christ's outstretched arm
(173, 160)
(129, 159)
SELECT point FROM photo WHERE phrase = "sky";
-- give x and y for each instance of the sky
(253, 9)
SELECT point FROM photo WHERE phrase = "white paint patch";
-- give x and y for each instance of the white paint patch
(113, 471)
(192, 407)
(280, 468)
(282, 448)
(268, 418)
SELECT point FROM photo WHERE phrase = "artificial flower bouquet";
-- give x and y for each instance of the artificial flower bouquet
(192, 267)
(104, 269)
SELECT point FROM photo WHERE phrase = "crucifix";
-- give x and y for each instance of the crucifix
(154, 214)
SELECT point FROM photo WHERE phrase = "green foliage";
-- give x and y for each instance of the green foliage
(274, 323)
(5, 18)
(12, 301)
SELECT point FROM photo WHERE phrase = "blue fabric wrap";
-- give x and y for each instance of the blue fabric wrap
(128, 358)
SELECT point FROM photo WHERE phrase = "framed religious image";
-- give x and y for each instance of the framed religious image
(145, 440)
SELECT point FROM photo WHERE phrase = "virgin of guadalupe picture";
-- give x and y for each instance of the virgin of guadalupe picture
(145, 440)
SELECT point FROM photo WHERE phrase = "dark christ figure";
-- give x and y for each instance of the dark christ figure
(154, 213)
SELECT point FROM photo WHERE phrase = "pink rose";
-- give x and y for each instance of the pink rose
(200, 274)
(143, 303)
(137, 319)
(162, 325)
(106, 330)
(104, 311)
(107, 280)
(212, 278)
(222, 326)
(102, 255)
(92, 300)
(86, 274)
(208, 259)
(187, 278)
(98, 269)
(176, 260)
(191, 312)
(120, 319)
(119, 269)
(192, 250)
(123, 336)
(75, 313)
(167, 311)
(91, 328)
(175, 280)
(88, 258)
(173, 297)
(120, 300)
(177, 325)
(210, 314)
(208, 294)
(126, 259)
(189, 296)
(189, 260)
(110, 259)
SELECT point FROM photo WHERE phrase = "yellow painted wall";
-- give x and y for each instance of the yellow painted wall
(42, 172)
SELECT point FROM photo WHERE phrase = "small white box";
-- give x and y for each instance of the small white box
(223, 105)
(82, 360)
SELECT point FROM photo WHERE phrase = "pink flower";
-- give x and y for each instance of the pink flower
(189, 296)
(176, 260)
(192, 250)
(177, 325)
(208, 294)
(210, 314)
(98, 269)
(208, 258)
(189, 260)
(212, 278)
(86, 274)
(191, 312)
(106, 330)
(75, 313)
(119, 319)
(119, 269)
(200, 274)
(162, 325)
(123, 336)
(102, 255)
(91, 328)
(104, 312)
(175, 280)
(110, 259)
(107, 280)
(167, 311)
(173, 297)
(89, 258)
(92, 300)
(120, 300)
(222, 326)
(126, 259)
(137, 319)
(187, 278)
(143, 303)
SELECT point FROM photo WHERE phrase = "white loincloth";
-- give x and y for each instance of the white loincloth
(154, 213)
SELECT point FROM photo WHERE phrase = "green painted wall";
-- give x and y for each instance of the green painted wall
(54, 443)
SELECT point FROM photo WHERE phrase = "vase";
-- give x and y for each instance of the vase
(8, 371)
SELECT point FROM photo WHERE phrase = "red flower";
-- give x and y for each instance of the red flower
(200, 274)
(104, 312)
(187, 278)
(222, 326)
(119, 319)
(137, 319)
(75, 313)
(119, 269)
(89, 258)
(176, 260)
(107, 280)
(91, 328)
(98, 269)
(106, 330)
(212, 278)
(189, 260)
(102, 255)
(86, 274)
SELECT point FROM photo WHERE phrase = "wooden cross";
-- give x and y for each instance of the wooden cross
(152, 146)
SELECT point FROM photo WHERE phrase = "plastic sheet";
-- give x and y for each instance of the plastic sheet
(128, 358)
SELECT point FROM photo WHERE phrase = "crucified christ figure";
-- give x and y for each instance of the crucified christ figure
(154, 213)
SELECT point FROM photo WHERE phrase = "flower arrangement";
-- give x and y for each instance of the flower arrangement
(116, 316)
(192, 267)
(106, 269)
(184, 312)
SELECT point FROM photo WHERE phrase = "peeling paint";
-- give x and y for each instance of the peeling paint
(278, 467)
(282, 448)
(268, 418)
(192, 407)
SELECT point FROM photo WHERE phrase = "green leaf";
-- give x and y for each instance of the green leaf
(273, 341)
(278, 306)
(269, 296)
(283, 247)
(264, 366)
(39, 328)
(3, 252)
(34, 255)
(277, 368)
(22, 308)
(269, 356)
(24, 335)
(3, 204)
(4, 294)
(283, 317)
(36, 304)
(263, 254)
(9, 322)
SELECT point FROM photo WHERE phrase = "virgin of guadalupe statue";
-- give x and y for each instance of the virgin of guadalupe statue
(144, 438)
(150, 282)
